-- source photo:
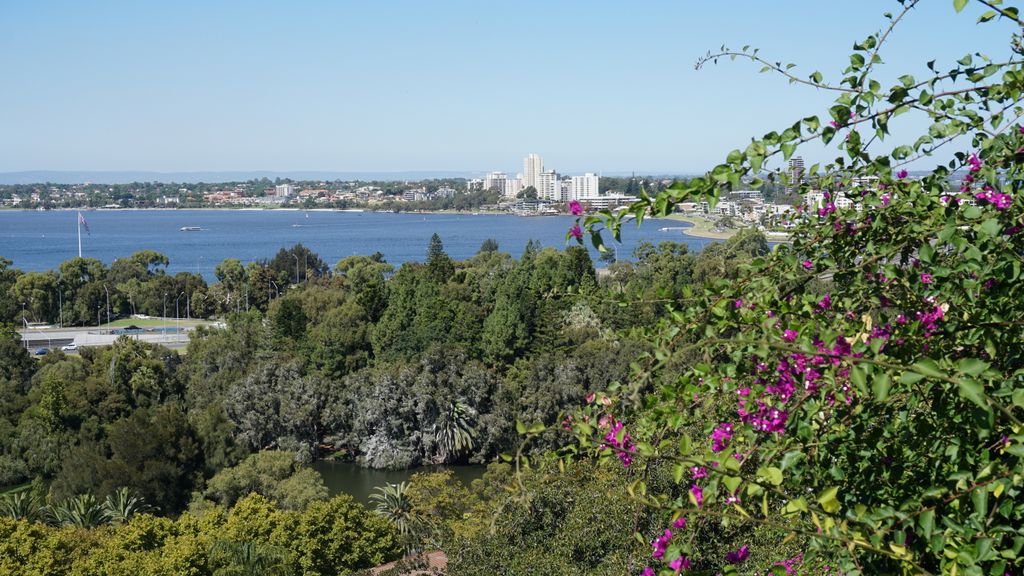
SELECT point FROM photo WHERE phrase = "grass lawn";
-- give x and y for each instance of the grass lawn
(702, 227)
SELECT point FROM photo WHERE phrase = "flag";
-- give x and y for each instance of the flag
(81, 220)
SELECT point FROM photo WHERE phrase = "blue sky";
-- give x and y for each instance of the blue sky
(414, 85)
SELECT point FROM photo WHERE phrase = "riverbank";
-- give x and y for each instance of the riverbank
(702, 227)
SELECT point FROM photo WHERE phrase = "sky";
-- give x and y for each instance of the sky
(461, 85)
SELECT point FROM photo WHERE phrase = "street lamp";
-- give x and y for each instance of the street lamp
(177, 318)
(108, 302)
(165, 305)
(296, 256)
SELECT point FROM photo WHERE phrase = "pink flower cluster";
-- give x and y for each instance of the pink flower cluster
(626, 449)
(992, 196)
(720, 437)
(987, 193)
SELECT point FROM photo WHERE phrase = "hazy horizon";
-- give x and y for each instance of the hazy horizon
(412, 87)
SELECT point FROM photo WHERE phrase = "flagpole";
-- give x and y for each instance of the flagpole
(79, 234)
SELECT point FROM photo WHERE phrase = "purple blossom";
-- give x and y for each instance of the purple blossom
(698, 495)
(720, 437)
(901, 174)
(699, 472)
(807, 264)
(680, 563)
(575, 208)
(738, 555)
(661, 543)
(790, 335)
(576, 232)
(927, 278)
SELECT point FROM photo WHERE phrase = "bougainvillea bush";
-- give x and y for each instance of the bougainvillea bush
(866, 381)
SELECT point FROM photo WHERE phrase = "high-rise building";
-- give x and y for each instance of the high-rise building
(495, 180)
(284, 190)
(796, 173)
(548, 187)
(584, 187)
(533, 167)
(512, 187)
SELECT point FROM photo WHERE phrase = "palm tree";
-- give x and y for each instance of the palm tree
(82, 510)
(247, 559)
(122, 505)
(393, 503)
(454, 431)
(23, 505)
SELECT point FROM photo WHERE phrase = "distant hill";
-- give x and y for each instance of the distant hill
(128, 176)
(124, 177)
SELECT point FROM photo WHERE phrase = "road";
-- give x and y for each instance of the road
(51, 338)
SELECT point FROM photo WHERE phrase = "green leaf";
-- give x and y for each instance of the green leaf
(929, 368)
(958, 5)
(772, 474)
(927, 523)
(828, 499)
(880, 386)
(974, 391)
(520, 428)
(972, 366)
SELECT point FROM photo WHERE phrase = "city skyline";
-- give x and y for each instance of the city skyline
(453, 87)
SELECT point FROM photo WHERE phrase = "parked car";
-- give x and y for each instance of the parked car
(69, 347)
(42, 351)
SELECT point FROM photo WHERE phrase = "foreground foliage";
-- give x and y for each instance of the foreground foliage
(864, 387)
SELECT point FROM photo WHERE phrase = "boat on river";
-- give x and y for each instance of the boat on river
(190, 229)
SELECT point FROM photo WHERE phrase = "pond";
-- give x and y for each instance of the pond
(359, 482)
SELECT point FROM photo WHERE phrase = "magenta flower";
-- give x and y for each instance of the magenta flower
(575, 208)
(790, 335)
(926, 278)
(680, 523)
(679, 563)
(808, 264)
(698, 495)
(825, 302)
(699, 472)
(647, 571)
(738, 304)
(738, 555)
(576, 232)
(901, 174)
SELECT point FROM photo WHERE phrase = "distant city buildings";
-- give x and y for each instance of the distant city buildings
(796, 174)
(552, 187)
(284, 190)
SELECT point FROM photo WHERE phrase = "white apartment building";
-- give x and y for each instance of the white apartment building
(284, 190)
(533, 167)
(495, 180)
(548, 187)
(584, 187)
(511, 187)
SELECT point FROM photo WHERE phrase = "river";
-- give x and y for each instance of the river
(359, 482)
(38, 241)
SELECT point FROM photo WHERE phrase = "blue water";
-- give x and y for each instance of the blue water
(38, 241)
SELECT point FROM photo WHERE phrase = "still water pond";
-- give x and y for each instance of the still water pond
(359, 482)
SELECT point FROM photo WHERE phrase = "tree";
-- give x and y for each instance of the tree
(438, 262)
(273, 474)
(489, 245)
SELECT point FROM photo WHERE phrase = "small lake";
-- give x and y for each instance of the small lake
(359, 482)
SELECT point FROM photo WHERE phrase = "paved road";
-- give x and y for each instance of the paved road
(57, 337)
